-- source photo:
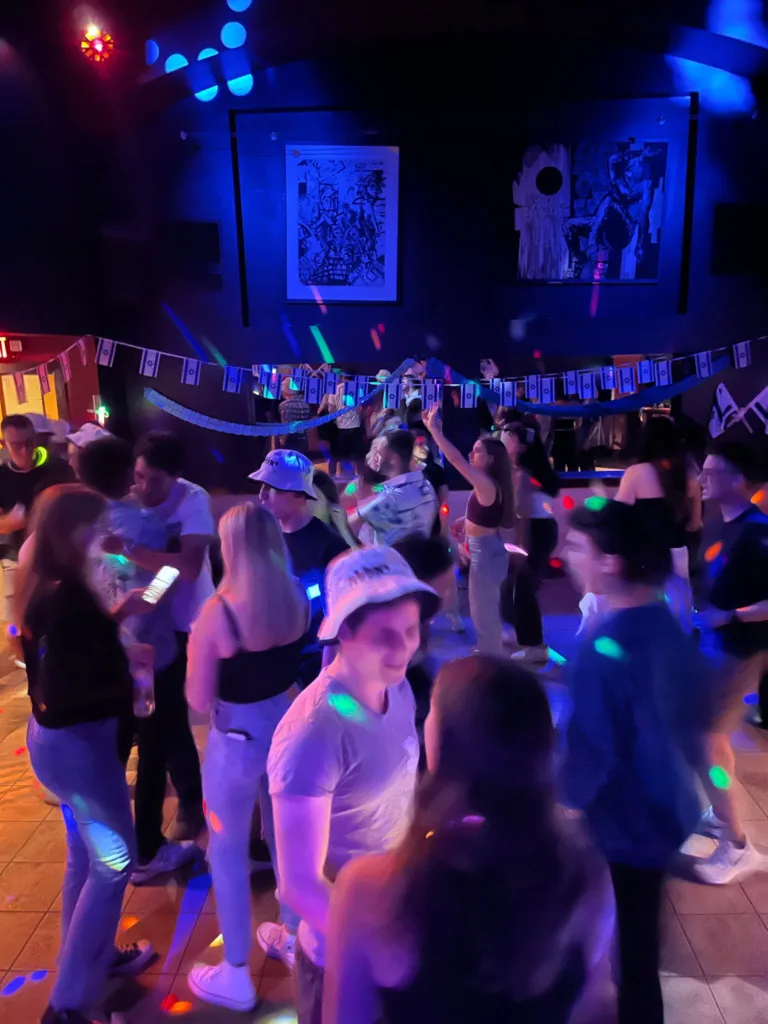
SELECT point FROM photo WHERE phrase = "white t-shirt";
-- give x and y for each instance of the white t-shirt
(187, 512)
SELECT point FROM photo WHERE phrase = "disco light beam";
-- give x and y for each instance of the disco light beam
(290, 336)
(318, 299)
(185, 332)
(325, 352)
(376, 339)
(214, 351)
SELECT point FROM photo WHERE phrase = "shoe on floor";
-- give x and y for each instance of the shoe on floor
(52, 1016)
(50, 798)
(131, 959)
(729, 862)
(709, 824)
(537, 655)
(189, 824)
(277, 943)
(223, 985)
(168, 858)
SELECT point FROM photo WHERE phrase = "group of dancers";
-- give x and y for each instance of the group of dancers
(438, 853)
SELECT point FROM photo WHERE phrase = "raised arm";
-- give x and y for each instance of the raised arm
(483, 485)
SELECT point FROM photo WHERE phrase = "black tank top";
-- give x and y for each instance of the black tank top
(439, 999)
(251, 676)
(486, 515)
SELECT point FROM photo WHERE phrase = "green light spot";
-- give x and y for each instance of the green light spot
(609, 648)
(346, 706)
(555, 658)
(595, 503)
(378, 488)
(719, 777)
(350, 488)
(325, 352)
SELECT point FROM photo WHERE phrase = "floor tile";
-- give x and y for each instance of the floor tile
(169, 935)
(15, 931)
(689, 1001)
(758, 833)
(756, 890)
(200, 948)
(14, 835)
(742, 1000)
(747, 807)
(172, 897)
(26, 1003)
(47, 845)
(24, 803)
(690, 898)
(275, 993)
(677, 956)
(726, 943)
(30, 887)
(140, 1000)
(41, 950)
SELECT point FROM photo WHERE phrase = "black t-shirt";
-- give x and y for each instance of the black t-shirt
(311, 549)
(733, 573)
(18, 488)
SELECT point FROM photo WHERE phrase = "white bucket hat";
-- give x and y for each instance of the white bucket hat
(87, 433)
(286, 470)
(369, 575)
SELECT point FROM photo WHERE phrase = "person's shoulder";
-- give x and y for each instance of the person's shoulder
(193, 494)
(311, 709)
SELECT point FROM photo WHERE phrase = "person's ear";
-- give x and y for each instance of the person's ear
(610, 565)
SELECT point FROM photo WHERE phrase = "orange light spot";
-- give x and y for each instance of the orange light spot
(429, 835)
(713, 551)
(168, 1002)
(128, 922)
(444, 510)
(758, 498)
(376, 339)
(183, 1006)
(215, 822)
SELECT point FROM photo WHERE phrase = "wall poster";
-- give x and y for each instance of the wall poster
(341, 223)
(591, 212)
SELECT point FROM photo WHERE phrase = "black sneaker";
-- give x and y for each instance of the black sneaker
(131, 959)
(189, 824)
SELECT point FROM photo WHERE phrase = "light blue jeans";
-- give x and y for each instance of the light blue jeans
(80, 765)
(488, 567)
(234, 766)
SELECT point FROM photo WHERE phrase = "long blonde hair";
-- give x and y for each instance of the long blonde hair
(257, 574)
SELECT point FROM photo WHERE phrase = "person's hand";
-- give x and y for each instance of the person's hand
(16, 519)
(431, 420)
(132, 603)
(111, 544)
(711, 618)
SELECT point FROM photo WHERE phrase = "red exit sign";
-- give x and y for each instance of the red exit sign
(10, 349)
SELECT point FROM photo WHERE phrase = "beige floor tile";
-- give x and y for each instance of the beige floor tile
(15, 931)
(30, 887)
(726, 943)
(201, 950)
(756, 890)
(11, 771)
(13, 836)
(203, 1013)
(677, 957)
(264, 906)
(169, 935)
(26, 1003)
(41, 950)
(690, 898)
(747, 807)
(275, 994)
(742, 1000)
(47, 845)
(140, 1000)
(24, 803)
(758, 833)
(172, 897)
(689, 1001)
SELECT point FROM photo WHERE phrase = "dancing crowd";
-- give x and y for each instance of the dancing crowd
(441, 850)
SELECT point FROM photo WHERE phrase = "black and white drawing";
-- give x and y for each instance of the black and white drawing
(341, 223)
(592, 212)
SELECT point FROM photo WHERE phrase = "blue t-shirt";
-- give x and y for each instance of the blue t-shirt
(642, 703)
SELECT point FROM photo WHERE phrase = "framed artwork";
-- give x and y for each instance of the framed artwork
(591, 212)
(341, 223)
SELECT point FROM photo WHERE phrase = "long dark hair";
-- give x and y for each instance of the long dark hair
(487, 865)
(534, 459)
(661, 444)
(500, 471)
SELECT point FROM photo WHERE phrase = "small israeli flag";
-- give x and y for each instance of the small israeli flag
(626, 379)
(190, 372)
(433, 393)
(83, 351)
(496, 386)
(331, 380)
(392, 396)
(468, 395)
(312, 394)
(263, 371)
(150, 363)
(587, 385)
(233, 376)
(66, 369)
(272, 390)
(571, 383)
(609, 378)
(298, 373)
(532, 388)
(663, 372)
(645, 372)
(361, 389)
(703, 361)
(509, 393)
(45, 382)
(742, 355)
(547, 390)
(106, 353)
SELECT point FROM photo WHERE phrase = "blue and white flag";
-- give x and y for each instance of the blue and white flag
(626, 379)
(274, 384)
(190, 372)
(496, 385)
(331, 380)
(433, 393)
(298, 373)
(547, 390)
(45, 382)
(587, 385)
(509, 393)
(233, 377)
(468, 395)
(663, 372)
(106, 352)
(312, 391)
(742, 355)
(532, 388)
(571, 383)
(703, 361)
(66, 369)
(609, 378)
(392, 396)
(645, 372)
(263, 372)
(150, 363)
(361, 390)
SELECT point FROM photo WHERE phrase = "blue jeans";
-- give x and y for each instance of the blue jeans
(488, 567)
(235, 763)
(80, 765)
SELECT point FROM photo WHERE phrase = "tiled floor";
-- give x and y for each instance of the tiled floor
(715, 958)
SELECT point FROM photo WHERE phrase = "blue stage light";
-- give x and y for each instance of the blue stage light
(206, 95)
(240, 86)
(174, 62)
(239, 5)
(233, 34)
(151, 51)
(206, 53)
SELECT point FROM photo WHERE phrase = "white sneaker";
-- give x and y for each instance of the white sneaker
(710, 824)
(277, 943)
(169, 857)
(223, 985)
(729, 862)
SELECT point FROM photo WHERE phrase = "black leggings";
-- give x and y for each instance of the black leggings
(519, 592)
(638, 903)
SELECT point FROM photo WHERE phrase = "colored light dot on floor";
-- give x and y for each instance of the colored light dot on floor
(535, 482)
(547, 507)
(13, 986)
(218, 941)
(128, 922)
(429, 835)
(38, 976)
(350, 488)
(713, 551)
(168, 1002)
(608, 647)
(719, 777)
(758, 498)
(20, 751)
(568, 503)
(180, 1008)
(595, 503)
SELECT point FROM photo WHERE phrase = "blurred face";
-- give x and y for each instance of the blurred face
(590, 569)
(390, 463)
(153, 486)
(719, 480)
(479, 457)
(384, 643)
(282, 504)
(21, 446)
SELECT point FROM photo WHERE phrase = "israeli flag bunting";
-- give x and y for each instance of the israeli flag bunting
(496, 387)
(571, 383)
(106, 354)
(468, 395)
(83, 351)
(190, 372)
(433, 393)
(392, 396)
(509, 393)
(547, 390)
(66, 369)
(232, 379)
(664, 372)
(150, 363)
(532, 389)
(703, 362)
(587, 385)
(742, 355)
(331, 380)
(21, 388)
(45, 382)
(626, 379)
(609, 378)
(645, 372)
(312, 393)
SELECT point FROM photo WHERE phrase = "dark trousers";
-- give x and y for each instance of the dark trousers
(308, 989)
(519, 592)
(165, 744)
(638, 903)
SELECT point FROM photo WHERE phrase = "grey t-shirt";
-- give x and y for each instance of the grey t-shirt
(329, 743)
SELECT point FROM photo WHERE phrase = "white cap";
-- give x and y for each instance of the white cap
(41, 423)
(369, 575)
(286, 470)
(87, 433)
